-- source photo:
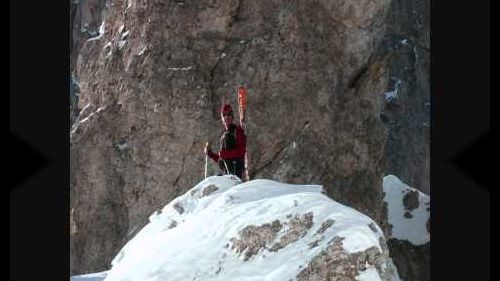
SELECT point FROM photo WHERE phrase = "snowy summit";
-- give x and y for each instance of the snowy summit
(259, 230)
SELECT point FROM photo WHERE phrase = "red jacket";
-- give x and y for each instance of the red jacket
(237, 152)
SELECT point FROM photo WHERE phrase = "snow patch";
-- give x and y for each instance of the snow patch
(100, 109)
(125, 35)
(180, 68)
(393, 95)
(415, 53)
(370, 274)
(121, 44)
(141, 52)
(102, 28)
(410, 225)
(84, 109)
(98, 276)
(122, 146)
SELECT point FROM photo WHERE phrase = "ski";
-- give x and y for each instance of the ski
(242, 104)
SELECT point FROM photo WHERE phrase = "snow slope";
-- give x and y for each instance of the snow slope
(259, 230)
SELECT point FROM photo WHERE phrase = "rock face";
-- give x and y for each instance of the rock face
(412, 261)
(152, 82)
(338, 95)
(85, 17)
(407, 116)
(74, 94)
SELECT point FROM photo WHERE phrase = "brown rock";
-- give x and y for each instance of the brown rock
(334, 263)
(252, 238)
(297, 228)
(410, 200)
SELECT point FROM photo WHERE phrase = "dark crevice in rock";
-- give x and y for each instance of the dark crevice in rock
(236, 16)
(181, 172)
(357, 77)
(282, 146)
(412, 262)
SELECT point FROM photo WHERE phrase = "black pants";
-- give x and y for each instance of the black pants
(232, 166)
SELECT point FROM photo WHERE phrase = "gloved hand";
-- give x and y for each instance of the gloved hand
(207, 149)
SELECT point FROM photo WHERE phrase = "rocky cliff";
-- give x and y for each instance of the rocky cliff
(85, 18)
(406, 112)
(152, 80)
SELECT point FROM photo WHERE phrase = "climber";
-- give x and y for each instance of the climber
(232, 145)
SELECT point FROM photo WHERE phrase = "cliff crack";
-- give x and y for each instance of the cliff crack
(236, 16)
(273, 158)
(181, 172)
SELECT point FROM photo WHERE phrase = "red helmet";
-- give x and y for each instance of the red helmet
(225, 109)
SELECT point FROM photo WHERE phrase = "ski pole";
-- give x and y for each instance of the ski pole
(206, 159)
(227, 169)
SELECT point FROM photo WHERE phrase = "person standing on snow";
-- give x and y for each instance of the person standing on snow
(231, 156)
